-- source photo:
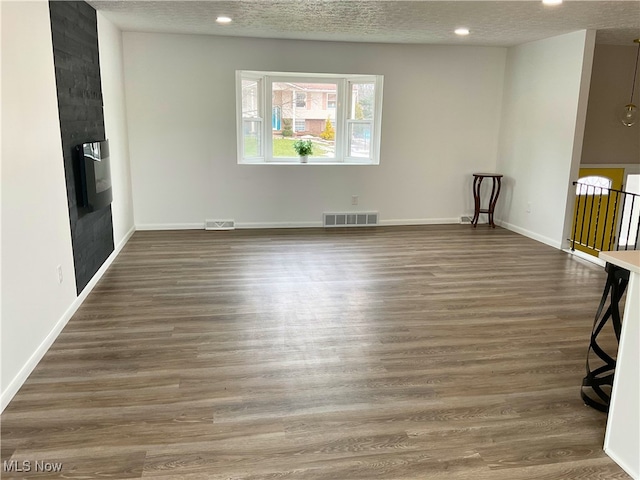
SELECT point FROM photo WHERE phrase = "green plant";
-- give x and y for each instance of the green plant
(303, 147)
(287, 130)
(328, 133)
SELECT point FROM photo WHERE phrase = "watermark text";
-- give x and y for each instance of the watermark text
(29, 466)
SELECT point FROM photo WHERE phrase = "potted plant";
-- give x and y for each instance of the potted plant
(304, 149)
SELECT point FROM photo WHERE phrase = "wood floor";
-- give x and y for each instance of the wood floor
(438, 352)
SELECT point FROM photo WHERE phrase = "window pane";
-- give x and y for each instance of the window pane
(337, 113)
(362, 101)
(252, 138)
(305, 110)
(276, 118)
(250, 98)
(593, 185)
(631, 213)
(360, 140)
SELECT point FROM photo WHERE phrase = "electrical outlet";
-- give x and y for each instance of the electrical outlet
(528, 207)
(354, 199)
(60, 277)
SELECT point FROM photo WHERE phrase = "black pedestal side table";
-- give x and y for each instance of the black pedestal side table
(495, 191)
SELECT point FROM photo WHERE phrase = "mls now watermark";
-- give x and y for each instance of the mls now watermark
(37, 466)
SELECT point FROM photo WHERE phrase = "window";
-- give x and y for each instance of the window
(301, 99)
(360, 119)
(631, 213)
(251, 117)
(340, 114)
(331, 100)
(593, 185)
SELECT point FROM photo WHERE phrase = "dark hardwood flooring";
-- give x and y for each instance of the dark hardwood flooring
(436, 352)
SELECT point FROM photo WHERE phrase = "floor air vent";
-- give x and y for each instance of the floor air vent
(219, 224)
(356, 219)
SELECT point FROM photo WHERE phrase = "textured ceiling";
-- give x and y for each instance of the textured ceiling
(495, 23)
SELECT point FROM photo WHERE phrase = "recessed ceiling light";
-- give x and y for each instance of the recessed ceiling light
(223, 20)
(461, 31)
(552, 2)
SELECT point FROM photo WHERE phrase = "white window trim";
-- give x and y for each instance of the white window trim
(342, 99)
(241, 120)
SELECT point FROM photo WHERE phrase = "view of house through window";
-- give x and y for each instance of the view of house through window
(251, 118)
(361, 119)
(309, 114)
(340, 114)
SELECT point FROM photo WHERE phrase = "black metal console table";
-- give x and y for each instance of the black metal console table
(597, 384)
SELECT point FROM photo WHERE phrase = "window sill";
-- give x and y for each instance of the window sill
(312, 164)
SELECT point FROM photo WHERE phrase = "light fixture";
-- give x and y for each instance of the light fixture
(461, 31)
(223, 20)
(629, 114)
(552, 2)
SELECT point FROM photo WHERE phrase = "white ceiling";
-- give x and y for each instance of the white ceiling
(492, 23)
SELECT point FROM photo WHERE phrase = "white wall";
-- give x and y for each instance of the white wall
(36, 236)
(440, 124)
(115, 120)
(606, 140)
(544, 109)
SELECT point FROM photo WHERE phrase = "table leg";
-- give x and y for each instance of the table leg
(477, 181)
(596, 385)
(495, 191)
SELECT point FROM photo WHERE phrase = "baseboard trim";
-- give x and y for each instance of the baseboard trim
(22, 376)
(250, 225)
(318, 224)
(633, 472)
(528, 233)
(420, 221)
(585, 256)
(170, 226)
